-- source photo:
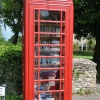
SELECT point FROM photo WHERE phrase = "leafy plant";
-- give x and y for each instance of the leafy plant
(77, 74)
(81, 92)
(11, 67)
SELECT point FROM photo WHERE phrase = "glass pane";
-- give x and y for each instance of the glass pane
(62, 85)
(50, 15)
(36, 38)
(63, 62)
(36, 75)
(48, 74)
(63, 27)
(49, 53)
(49, 62)
(35, 86)
(36, 14)
(36, 27)
(63, 16)
(48, 96)
(62, 96)
(50, 39)
(36, 53)
(36, 62)
(62, 75)
(50, 27)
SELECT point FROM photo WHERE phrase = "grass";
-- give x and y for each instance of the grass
(86, 57)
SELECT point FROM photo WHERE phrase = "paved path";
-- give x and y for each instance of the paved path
(93, 97)
(89, 97)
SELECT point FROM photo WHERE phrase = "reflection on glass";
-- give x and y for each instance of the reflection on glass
(50, 15)
(50, 27)
(36, 14)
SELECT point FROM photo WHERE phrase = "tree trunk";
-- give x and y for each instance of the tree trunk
(96, 56)
(15, 38)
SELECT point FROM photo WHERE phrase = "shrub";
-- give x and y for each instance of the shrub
(83, 53)
(11, 67)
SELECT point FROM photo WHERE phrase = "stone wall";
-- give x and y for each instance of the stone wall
(84, 76)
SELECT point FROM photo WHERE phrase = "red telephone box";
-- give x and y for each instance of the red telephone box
(47, 49)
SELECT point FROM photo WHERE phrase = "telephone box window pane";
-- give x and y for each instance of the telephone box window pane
(50, 27)
(62, 75)
(36, 14)
(36, 75)
(62, 95)
(49, 53)
(48, 74)
(50, 15)
(49, 62)
(62, 85)
(35, 87)
(63, 51)
(36, 38)
(48, 96)
(63, 16)
(63, 27)
(50, 39)
(36, 62)
(63, 62)
(36, 27)
(36, 51)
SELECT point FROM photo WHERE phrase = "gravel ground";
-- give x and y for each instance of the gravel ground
(89, 97)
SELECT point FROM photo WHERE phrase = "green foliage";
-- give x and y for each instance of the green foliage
(76, 47)
(77, 74)
(18, 41)
(12, 16)
(83, 53)
(87, 17)
(2, 39)
(1, 35)
(13, 97)
(91, 44)
(11, 67)
(81, 92)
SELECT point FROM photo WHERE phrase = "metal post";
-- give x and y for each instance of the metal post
(2, 98)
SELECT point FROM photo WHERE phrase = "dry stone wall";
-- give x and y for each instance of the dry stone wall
(84, 76)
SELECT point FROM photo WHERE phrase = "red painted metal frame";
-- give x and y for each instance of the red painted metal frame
(29, 44)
